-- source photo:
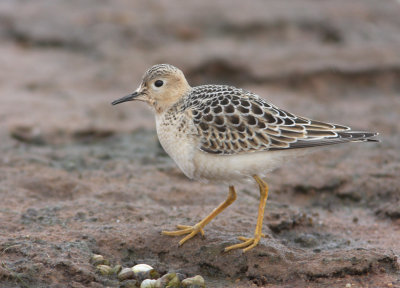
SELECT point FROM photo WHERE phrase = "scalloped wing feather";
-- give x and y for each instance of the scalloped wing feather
(229, 120)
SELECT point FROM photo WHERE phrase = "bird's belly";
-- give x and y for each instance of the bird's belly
(231, 169)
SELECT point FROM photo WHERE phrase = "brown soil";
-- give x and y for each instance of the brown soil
(78, 176)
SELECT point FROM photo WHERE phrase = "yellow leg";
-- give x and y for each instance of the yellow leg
(193, 230)
(249, 243)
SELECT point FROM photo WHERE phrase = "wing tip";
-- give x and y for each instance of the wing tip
(369, 137)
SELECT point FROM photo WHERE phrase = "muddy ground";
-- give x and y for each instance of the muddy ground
(78, 176)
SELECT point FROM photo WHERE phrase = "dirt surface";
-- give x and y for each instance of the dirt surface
(78, 176)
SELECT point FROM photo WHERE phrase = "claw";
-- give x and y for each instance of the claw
(248, 243)
(185, 229)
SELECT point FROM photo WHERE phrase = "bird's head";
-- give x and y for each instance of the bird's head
(162, 85)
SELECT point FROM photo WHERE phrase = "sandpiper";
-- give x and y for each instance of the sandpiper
(223, 134)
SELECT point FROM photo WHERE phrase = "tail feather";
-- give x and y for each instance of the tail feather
(358, 136)
(341, 137)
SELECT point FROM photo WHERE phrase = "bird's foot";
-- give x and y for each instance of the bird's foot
(248, 243)
(184, 229)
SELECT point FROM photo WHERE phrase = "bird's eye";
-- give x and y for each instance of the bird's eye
(158, 83)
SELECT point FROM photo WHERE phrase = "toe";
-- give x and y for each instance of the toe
(187, 237)
(177, 232)
(185, 229)
(251, 246)
(248, 243)
(238, 246)
(182, 227)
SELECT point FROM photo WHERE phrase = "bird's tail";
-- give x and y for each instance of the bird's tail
(358, 136)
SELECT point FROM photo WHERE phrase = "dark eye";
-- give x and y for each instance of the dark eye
(158, 83)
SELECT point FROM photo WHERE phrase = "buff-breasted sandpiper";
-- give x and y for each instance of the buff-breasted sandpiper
(220, 133)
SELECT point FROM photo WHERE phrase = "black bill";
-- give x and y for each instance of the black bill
(126, 98)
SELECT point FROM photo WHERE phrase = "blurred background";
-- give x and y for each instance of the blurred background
(75, 57)
(71, 165)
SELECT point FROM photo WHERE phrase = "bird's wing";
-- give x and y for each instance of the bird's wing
(229, 120)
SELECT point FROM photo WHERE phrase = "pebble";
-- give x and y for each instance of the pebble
(125, 274)
(194, 282)
(104, 269)
(170, 280)
(144, 276)
(149, 283)
(116, 269)
(144, 271)
(98, 260)
(141, 268)
(129, 284)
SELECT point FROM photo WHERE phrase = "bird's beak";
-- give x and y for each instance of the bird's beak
(126, 98)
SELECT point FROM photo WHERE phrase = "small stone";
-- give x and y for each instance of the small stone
(180, 276)
(141, 268)
(104, 270)
(116, 269)
(149, 283)
(194, 282)
(144, 271)
(126, 273)
(129, 284)
(170, 280)
(97, 260)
